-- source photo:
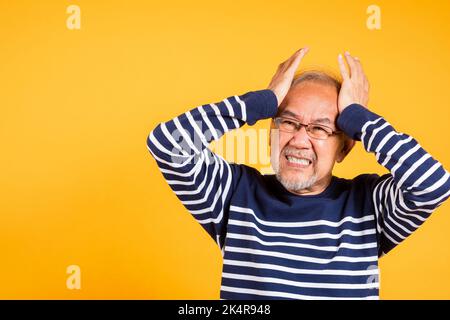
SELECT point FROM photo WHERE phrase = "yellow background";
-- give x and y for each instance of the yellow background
(77, 185)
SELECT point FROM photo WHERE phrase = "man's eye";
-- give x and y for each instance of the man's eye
(319, 129)
(288, 125)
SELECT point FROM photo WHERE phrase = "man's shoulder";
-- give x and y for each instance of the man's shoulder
(365, 178)
(361, 183)
(245, 175)
(241, 171)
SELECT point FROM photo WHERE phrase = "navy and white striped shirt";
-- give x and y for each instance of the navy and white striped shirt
(278, 245)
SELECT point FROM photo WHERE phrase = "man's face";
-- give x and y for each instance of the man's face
(308, 102)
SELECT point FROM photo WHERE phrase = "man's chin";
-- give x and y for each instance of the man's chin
(296, 182)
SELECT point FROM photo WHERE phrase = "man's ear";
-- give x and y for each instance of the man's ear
(346, 146)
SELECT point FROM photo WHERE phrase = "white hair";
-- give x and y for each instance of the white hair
(317, 76)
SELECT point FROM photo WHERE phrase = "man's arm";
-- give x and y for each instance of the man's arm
(202, 180)
(416, 185)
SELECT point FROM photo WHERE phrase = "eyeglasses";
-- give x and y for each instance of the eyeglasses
(315, 131)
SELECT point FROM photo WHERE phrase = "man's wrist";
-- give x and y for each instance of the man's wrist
(261, 104)
(352, 119)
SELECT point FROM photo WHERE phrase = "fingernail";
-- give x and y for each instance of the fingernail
(347, 53)
(340, 56)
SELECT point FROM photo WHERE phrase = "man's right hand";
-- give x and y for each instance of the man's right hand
(281, 81)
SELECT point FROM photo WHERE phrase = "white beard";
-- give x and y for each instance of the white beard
(296, 184)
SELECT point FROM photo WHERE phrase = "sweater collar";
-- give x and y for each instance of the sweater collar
(329, 190)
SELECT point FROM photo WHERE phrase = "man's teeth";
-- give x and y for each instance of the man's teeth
(298, 160)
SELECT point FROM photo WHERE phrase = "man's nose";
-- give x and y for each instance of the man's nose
(301, 138)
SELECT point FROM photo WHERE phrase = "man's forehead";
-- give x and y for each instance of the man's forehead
(311, 101)
(323, 119)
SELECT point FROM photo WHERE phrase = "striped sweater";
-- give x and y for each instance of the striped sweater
(278, 245)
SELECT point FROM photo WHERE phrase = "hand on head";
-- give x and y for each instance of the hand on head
(354, 89)
(355, 86)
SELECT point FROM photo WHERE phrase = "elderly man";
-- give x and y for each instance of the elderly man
(301, 233)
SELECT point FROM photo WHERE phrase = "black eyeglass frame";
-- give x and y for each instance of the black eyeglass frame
(308, 127)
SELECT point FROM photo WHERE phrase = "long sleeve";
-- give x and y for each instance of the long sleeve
(203, 181)
(416, 185)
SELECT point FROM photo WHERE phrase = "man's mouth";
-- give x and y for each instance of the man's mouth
(298, 161)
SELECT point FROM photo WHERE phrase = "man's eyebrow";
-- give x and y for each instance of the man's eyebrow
(288, 113)
(320, 120)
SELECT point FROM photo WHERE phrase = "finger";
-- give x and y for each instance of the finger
(302, 54)
(360, 69)
(352, 64)
(358, 63)
(304, 50)
(293, 56)
(285, 65)
(366, 85)
(342, 67)
(300, 51)
(298, 56)
(296, 59)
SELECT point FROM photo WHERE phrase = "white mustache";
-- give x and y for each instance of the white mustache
(290, 151)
